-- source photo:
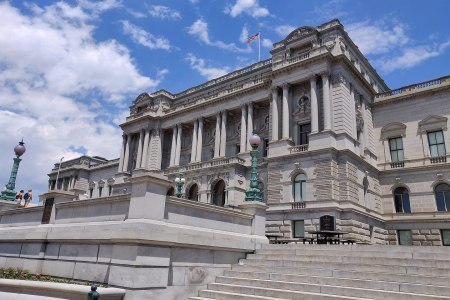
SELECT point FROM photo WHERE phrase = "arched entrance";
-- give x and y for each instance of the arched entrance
(218, 195)
(193, 192)
(170, 191)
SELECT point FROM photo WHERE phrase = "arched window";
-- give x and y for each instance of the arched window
(442, 194)
(401, 200)
(170, 191)
(218, 195)
(299, 188)
(193, 192)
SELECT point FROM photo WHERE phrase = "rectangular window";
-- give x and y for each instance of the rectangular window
(266, 147)
(436, 143)
(396, 148)
(304, 131)
(298, 228)
(445, 237)
(91, 191)
(404, 237)
(109, 190)
(100, 189)
(238, 148)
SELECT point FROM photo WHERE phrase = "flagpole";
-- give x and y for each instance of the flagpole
(259, 46)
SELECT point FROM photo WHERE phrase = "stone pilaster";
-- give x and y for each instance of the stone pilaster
(223, 134)
(199, 140)
(174, 146)
(275, 113)
(314, 106)
(122, 152)
(217, 137)
(126, 159)
(144, 162)
(353, 112)
(194, 142)
(243, 129)
(178, 149)
(326, 101)
(286, 113)
(249, 124)
(139, 153)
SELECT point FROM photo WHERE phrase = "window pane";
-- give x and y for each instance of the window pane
(404, 237)
(432, 138)
(398, 203)
(399, 143)
(441, 150)
(439, 137)
(299, 229)
(303, 193)
(297, 195)
(433, 151)
(440, 202)
(446, 237)
(400, 156)
(392, 144)
(406, 204)
(447, 200)
(394, 156)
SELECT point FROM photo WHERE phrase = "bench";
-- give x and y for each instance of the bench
(309, 240)
(348, 241)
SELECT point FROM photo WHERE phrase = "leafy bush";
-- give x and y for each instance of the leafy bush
(11, 273)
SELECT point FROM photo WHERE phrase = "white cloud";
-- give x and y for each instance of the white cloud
(267, 43)
(411, 57)
(209, 72)
(164, 12)
(377, 37)
(58, 86)
(144, 38)
(250, 7)
(244, 35)
(284, 30)
(100, 6)
(199, 29)
(329, 10)
(136, 14)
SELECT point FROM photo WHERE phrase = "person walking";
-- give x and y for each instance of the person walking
(28, 197)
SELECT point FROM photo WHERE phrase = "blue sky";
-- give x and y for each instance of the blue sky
(70, 69)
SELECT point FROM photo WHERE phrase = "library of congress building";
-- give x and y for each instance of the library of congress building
(335, 141)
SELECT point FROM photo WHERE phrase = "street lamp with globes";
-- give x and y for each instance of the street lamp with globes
(254, 193)
(179, 182)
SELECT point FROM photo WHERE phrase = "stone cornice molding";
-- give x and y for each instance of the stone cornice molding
(433, 122)
(391, 130)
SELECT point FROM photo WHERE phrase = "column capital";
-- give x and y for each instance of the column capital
(274, 89)
(313, 78)
(200, 119)
(285, 85)
(325, 73)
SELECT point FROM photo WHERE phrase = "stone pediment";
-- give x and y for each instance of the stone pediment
(300, 33)
(392, 130)
(143, 97)
(433, 122)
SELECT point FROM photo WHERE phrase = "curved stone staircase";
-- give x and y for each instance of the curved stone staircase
(328, 272)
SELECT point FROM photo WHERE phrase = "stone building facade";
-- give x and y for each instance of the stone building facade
(336, 141)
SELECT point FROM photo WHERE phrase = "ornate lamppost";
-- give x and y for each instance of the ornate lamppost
(10, 193)
(254, 193)
(179, 182)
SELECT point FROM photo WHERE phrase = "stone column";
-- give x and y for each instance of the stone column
(285, 116)
(217, 137)
(194, 142)
(174, 146)
(326, 101)
(275, 122)
(223, 134)
(365, 125)
(353, 112)
(122, 152)
(127, 154)
(249, 124)
(199, 140)
(314, 106)
(243, 129)
(178, 149)
(145, 151)
(139, 153)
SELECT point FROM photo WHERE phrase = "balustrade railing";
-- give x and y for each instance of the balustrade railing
(397, 164)
(298, 149)
(414, 87)
(298, 205)
(438, 159)
(206, 164)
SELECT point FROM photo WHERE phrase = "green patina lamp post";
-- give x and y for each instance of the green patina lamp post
(179, 182)
(10, 193)
(254, 193)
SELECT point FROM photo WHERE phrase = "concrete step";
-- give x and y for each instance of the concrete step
(349, 258)
(273, 294)
(299, 273)
(394, 269)
(296, 282)
(358, 248)
(200, 298)
(292, 291)
(308, 251)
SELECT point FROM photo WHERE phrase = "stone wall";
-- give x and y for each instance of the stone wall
(420, 237)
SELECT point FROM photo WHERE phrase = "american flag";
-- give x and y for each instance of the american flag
(252, 38)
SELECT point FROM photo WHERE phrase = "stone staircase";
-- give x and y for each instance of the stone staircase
(326, 272)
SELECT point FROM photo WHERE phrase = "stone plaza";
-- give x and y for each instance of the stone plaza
(335, 141)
